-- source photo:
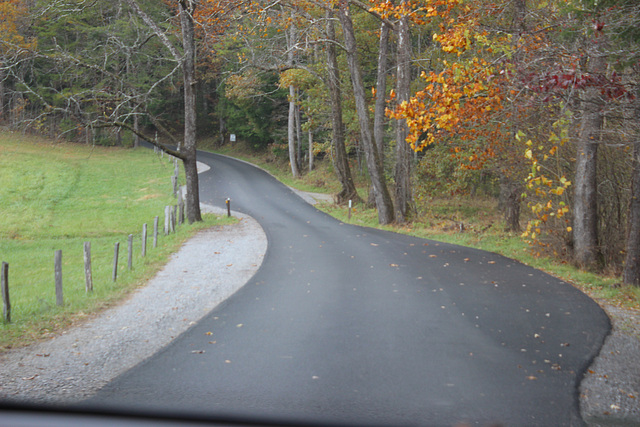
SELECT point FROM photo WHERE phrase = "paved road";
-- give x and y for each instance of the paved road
(349, 324)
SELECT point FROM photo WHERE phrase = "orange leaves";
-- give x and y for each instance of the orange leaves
(455, 100)
(419, 12)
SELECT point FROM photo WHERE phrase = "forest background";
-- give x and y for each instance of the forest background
(532, 104)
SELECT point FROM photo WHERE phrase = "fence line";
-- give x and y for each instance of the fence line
(174, 215)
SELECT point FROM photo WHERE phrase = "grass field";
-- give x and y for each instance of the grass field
(57, 196)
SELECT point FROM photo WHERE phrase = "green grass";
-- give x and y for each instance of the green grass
(56, 197)
(438, 219)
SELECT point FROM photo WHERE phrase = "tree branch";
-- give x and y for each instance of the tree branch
(161, 35)
(152, 141)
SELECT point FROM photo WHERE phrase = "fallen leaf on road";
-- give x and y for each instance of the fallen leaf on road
(209, 333)
(393, 265)
(531, 378)
(433, 256)
(374, 244)
(197, 351)
(30, 378)
(239, 325)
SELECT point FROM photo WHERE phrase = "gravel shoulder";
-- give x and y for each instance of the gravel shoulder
(209, 268)
(610, 390)
(73, 365)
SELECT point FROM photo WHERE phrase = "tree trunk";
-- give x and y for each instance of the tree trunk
(2, 106)
(376, 173)
(188, 60)
(298, 131)
(291, 123)
(510, 188)
(403, 150)
(381, 102)
(136, 126)
(631, 273)
(187, 8)
(340, 160)
(585, 203)
(291, 132)
(311, 155)
(510, 193)
(381, 90)
(223, 130)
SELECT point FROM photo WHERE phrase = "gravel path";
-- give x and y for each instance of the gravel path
(610, 390)
(73, 365)
(208, 269)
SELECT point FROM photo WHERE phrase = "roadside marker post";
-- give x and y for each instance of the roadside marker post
(228, 202)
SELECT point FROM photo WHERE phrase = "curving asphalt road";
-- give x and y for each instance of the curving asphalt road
(344, 324)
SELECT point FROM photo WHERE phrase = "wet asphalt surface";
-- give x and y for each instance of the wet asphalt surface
(344, 324)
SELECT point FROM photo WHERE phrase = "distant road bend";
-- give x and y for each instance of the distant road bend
(354, 325)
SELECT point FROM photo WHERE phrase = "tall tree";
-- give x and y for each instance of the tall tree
(187, 9)
(376, 172)
(187, 150)
(291, 125)
(341, 161)
(631, 272)
(585, 201)
(403, 194)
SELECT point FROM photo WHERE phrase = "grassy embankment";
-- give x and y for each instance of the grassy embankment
(439, 219)
(56, 196)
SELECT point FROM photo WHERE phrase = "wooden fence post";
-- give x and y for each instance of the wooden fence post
(186, 208)
(174, 217)
(4, 282)
(174, 184)
(58, 278)
(144, 240)
(180, 208)
(130, 252)
(115, 261)
(155, 232)
(88, 277)
(167, 219)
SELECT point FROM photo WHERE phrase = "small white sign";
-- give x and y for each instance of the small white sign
(233, 137)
